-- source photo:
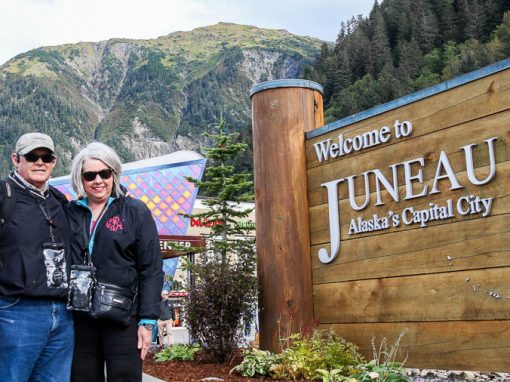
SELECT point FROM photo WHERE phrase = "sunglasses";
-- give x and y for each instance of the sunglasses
(89, 176)
(46, 158)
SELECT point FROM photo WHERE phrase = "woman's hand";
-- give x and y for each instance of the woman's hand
(144, 340)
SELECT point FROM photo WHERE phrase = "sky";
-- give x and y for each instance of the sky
(29, 24)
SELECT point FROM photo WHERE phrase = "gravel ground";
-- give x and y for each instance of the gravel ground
(429, 375)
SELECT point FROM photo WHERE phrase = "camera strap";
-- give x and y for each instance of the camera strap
(49, 221)
(87, 257)
(54, 255)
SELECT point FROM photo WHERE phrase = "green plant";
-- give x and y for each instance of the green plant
(384, 367)
(177, 352)
(223, 283)
(255, 362)
(321, 349)
(334, 376)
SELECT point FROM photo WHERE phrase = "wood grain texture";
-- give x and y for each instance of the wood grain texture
(280, 118)
(436, 297)
(445, 248)
(453, 345)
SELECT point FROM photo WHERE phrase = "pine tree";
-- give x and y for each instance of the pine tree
(425, 25)
(397, 16)
(472, 18)
(500, 44)
(380, 48)
(410, 61)
(448, 21)
(223, 284)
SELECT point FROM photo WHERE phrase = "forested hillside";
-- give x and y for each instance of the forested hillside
(144, 97)
(404, 46)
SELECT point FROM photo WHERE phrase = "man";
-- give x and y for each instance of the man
(166, 318)
(36, 330)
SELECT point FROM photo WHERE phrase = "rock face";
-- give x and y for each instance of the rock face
(144, 97)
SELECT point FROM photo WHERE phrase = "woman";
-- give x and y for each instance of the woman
(121, 237)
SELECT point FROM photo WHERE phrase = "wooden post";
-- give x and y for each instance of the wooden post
(283, 111)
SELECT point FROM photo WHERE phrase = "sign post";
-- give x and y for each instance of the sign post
(282, 112)
(172, 245)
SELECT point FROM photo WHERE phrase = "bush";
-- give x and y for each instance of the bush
(323, 355)
(255, 362)
(384, 367)
(177, 352)
(334, 376)
(323, 349)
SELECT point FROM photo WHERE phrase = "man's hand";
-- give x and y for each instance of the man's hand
(144, 340)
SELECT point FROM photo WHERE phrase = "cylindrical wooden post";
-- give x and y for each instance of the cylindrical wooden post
(282, 112)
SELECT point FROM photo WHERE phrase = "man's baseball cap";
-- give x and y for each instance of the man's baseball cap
(32, 141)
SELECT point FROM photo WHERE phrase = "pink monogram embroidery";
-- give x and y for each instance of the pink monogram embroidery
(114, 224)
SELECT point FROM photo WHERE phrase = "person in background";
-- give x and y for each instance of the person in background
(36, 330)
(166, 318)
(177, 321)
(121, 237)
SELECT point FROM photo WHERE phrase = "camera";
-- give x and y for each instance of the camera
(81, 285)
(55, 263)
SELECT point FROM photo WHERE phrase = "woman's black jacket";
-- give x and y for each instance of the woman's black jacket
(125, 250)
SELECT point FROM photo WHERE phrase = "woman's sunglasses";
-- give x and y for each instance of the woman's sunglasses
(46, 158)
(89, 176)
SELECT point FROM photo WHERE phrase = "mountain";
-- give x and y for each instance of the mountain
(144, 97)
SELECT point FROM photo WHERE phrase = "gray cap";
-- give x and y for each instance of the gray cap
(32, 141)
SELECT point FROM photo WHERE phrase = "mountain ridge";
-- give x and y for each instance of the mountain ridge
(144, 97)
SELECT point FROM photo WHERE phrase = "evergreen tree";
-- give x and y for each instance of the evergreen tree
(223, 285)
(390, 86)
(472, 18)
(448, 21)
(380, 54)
(410, 61)
(358, 46)
(499, 46)
(397, 16)
(342, 74)
(430, 72)
(404, 46)
(424, 25)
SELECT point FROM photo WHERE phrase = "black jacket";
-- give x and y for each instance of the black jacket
(24, 269)
(167, 310)
(125, 251)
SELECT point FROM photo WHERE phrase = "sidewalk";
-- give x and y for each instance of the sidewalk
(148, 378)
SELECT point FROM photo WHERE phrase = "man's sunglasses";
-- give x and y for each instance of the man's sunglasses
(89, 176)
(46, 158)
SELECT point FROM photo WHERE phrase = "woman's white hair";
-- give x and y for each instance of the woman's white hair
(104, 153)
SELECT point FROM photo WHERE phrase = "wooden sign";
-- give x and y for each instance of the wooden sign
(409, 216)
(171, 245)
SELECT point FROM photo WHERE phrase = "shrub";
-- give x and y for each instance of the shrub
(256, 362)
(334, 376)
(384, 367)
(177, 352)
(323, 349)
